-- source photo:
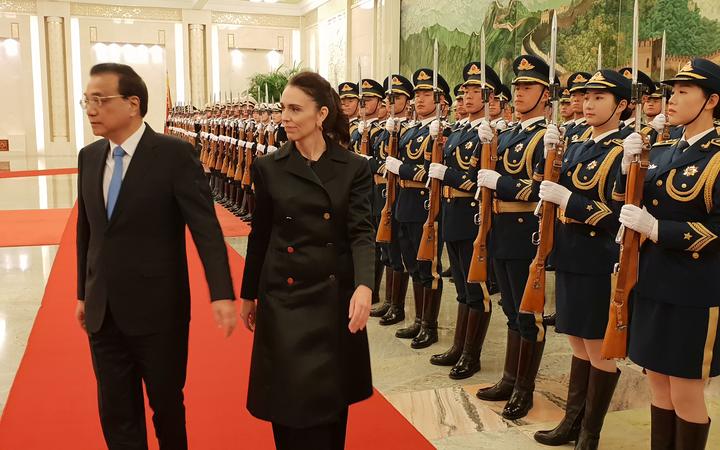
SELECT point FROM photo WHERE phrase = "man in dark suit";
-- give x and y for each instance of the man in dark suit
(137, 190)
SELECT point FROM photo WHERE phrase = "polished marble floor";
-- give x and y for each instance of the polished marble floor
(445, 411)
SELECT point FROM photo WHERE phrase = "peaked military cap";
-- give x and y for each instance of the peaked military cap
(531, 69)
(701, 72)
(400, 85)
(576, 81)
(458, 91)
(643, 78)
(472, 74)
(275, 107)
(660, 91)
(565, 96)
(504, 95)
(423, 81)
(348, 90)
(611, 81)
(371, 88)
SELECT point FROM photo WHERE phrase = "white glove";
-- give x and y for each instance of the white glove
(488, 178)
(500, 124)
(555, 193)
(241, 144)
(390, 125)
(437, 171)
(361, 126)
(260, 149)
(271, 149)
(434, 129)
(632, 145)
(270, 128)
(248, 145)
(368, 157)
(392, 165)
(639, 220)
(485, 132)
(260, 127)
(551, 138)
(658, 122)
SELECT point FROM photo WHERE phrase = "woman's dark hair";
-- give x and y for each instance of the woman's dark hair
(626, 113)
(708, 93)
(335, 126)
(129, 82)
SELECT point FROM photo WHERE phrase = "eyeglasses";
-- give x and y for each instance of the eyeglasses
(96, 101)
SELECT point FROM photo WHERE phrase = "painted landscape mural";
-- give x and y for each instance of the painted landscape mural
(523, 26)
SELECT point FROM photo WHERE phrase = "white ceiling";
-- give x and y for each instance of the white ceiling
(283, 7)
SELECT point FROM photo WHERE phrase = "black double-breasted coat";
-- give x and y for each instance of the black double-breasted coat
(312, 243)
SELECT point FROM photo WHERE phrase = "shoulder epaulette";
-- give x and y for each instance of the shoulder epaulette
(668, 142)
(616, 141)
(501, 131)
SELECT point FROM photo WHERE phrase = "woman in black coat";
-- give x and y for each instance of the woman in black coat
(310, 264)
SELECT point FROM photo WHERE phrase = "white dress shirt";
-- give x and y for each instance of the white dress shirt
(697, 137)
(130, 145)
(526, 123)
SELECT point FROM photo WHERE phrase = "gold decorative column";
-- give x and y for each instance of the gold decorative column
(57, 78)
(198, 85)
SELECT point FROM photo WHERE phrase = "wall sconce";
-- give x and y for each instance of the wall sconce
(93, 34)
(15, 31)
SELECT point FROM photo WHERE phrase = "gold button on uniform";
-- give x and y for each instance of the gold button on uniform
(658, 182)
(569, 173)
(521, 220)
(326, 216)
(696, 255)
(655, 202)
(592, 233)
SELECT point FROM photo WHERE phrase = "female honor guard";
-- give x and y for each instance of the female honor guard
(458, 175)
(411, 212)
(676, 301)
(392, 310)
(513, 224)
(585, 254)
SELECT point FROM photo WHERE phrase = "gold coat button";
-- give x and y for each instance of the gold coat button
(592, 233)
(422, 192)
(569, 173)
(448, 200)
(473, 204)
(658, 183)
(521, 220)
(326, 216)
(655, 202)
(696, 255)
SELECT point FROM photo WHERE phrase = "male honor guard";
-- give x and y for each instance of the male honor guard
(458, 174)
(350, 103)
(411, 213)
(392, 310)
(628, 125)
(576, 128)
(513, 225)
(460, 112)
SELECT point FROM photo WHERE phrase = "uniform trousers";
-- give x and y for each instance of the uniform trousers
(512, 275)
(460, 255)
(390, 254)
(425, 272)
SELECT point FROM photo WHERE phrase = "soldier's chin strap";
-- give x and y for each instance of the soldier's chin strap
(545, 88)
(702, 108)
(612, 114)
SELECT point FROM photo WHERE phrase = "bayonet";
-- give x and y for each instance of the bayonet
(436, 57)
(554, 88)
(637, 88)
(662, 72)
(483, 80)
(600, 55)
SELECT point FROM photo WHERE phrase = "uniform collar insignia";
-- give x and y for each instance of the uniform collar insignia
(690, 171)
(469, 145)
(518, 148)
(593, 164)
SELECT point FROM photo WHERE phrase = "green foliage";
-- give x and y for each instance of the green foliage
(275, 81)
(688, 33)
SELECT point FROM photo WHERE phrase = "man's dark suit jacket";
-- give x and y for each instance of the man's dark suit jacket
(135, 263)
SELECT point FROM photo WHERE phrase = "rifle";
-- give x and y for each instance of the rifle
(533, 300)
(665, 135)
(478, 271)
(366, 129)
(239, 171)
(384, 232)
(615, 342)
(428, 243)
(233, 156)
(225, 146)
(246, 181)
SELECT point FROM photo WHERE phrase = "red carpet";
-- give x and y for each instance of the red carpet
(231, 225)
(37, 173)
(32, 226)
(52, 404)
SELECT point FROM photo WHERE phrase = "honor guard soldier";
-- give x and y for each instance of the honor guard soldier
(577, 128)
(411, 213)
(350, 103)
(508, 111)
(628, 125)
(566, 113)
(458, 174)
(673, 330)
(513, 225)
(392, 310)
(460, 112)
(585, 253)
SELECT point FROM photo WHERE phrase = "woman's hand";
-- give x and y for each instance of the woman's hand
(359, 308)
(248, 314)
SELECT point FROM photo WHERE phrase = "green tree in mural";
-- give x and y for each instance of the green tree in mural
(688, 33)
(275, 81)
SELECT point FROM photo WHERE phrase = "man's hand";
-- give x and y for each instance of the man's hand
(80, 314)
(437, 171)
(555, 193)
(359, 308)
(488, 178)
(225, 315)
(247, 312)
(485, 132)
(392, 165)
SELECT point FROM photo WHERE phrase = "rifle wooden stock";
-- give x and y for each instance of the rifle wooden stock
(364, 140)
(239, 172)
(615, 342)
(478, 272)
(225, 152)
(232, 149)
(428, 243)
(664, 136)
(533, 300)
(384, 232)
(203, 147)
(246, 182)
(212, 156)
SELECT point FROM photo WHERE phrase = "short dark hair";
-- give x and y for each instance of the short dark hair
(129, 82)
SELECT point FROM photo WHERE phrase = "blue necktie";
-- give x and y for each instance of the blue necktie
(116, 180)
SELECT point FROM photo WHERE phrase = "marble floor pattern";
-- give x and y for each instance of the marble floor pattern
(445, 411)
